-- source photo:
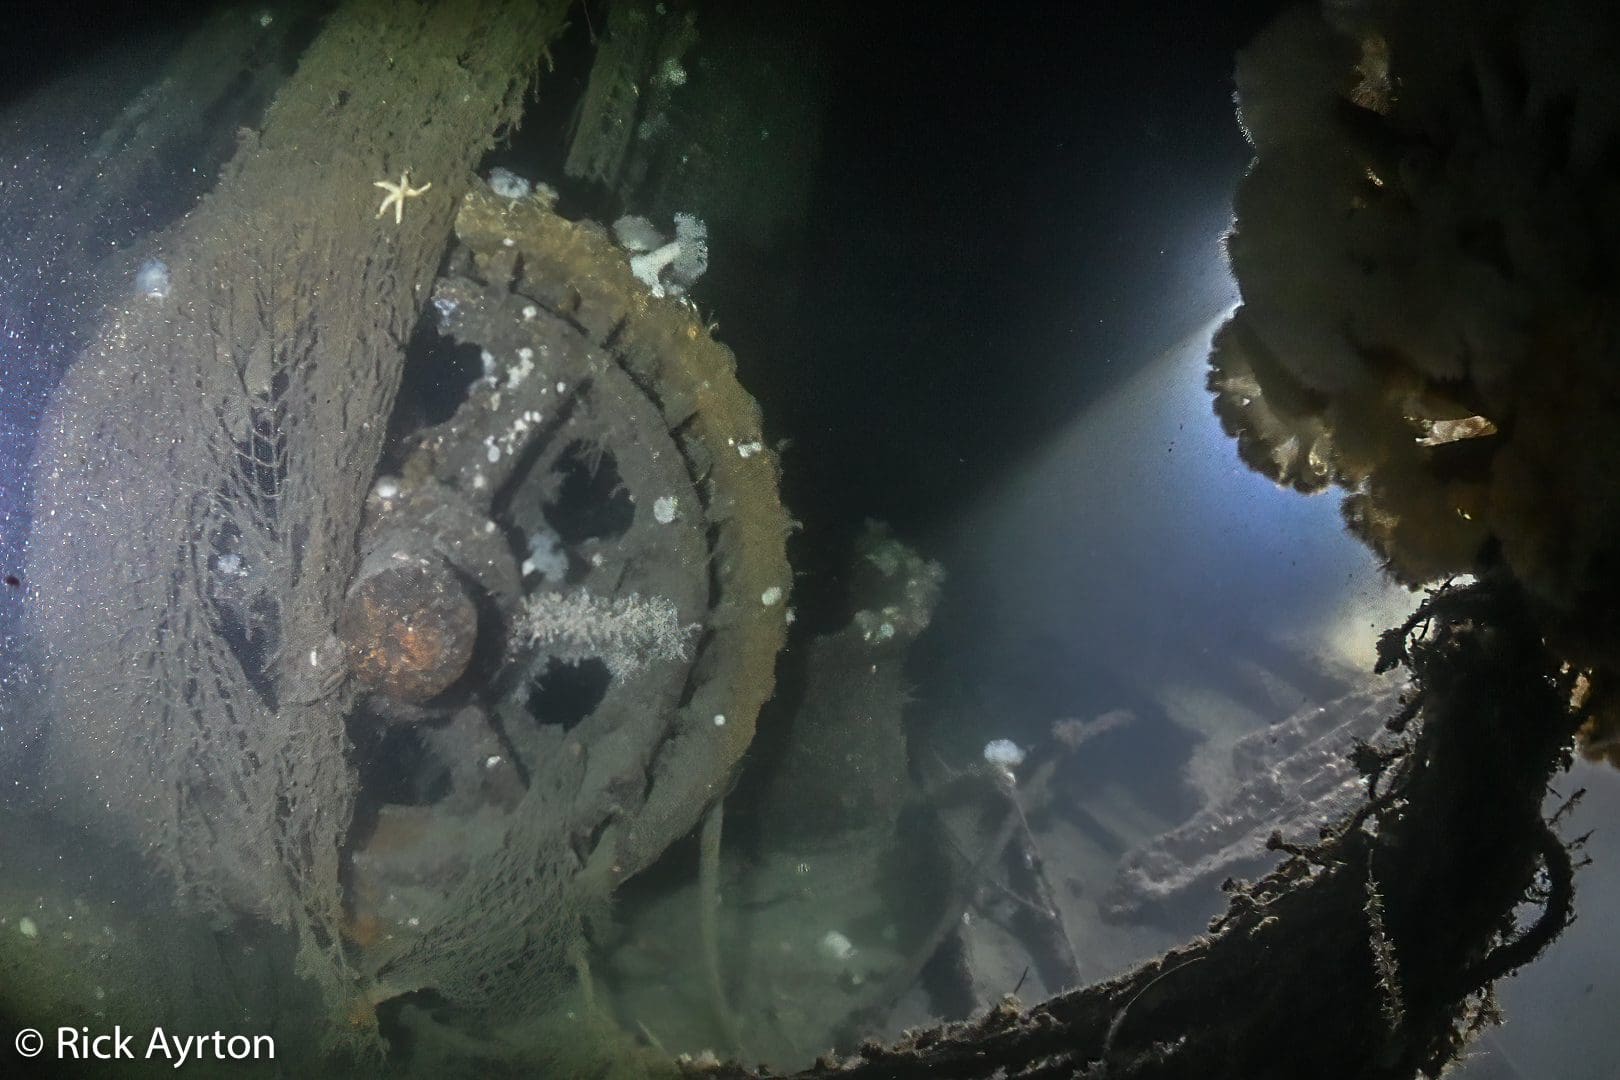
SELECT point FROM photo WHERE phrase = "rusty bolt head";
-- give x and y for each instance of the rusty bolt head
(408, 629)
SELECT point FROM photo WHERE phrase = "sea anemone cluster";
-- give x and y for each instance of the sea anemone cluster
(1426, 249)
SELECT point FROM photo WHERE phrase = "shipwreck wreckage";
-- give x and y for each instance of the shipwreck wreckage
(235, 598)
(267, 581)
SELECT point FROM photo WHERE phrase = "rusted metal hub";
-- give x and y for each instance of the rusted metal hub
(408, 627)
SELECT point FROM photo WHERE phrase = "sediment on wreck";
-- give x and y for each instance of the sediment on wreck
(1409, 902)
(663, 348)
(202, 469)
(582, 364)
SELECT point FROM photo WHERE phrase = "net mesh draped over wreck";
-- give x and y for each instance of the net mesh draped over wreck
(237, 612)
(683, 604)
(202, 470)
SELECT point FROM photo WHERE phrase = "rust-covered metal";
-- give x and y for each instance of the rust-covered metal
(676, 591)
(574, 270)
(408, 627)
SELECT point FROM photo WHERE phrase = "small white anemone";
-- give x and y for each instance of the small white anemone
(508, 184)
(1003, 753)
(835, 946)
(152, 279)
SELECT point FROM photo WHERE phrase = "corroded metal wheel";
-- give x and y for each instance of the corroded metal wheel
(568, 613)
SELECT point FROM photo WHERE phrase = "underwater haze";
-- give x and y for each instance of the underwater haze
(651, 538)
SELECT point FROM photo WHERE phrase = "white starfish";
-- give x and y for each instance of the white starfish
(397, 194)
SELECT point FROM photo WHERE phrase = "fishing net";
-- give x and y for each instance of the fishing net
(676, 593)
(224, 603)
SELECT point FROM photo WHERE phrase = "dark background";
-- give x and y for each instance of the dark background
(998, 188)
(1015, 211)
